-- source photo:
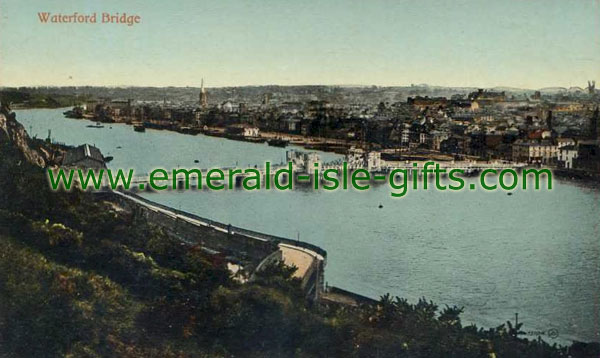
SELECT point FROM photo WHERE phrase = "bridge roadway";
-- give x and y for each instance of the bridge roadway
(309, 263)
(467, 167)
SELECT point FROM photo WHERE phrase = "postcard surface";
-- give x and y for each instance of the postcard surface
(299, 179)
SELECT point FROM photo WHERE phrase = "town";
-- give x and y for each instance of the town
(558, 128)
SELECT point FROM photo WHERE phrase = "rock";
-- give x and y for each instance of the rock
(15, 132)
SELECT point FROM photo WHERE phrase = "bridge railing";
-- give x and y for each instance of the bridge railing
(237, 230)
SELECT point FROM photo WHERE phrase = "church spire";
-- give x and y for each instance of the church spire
(203, 97)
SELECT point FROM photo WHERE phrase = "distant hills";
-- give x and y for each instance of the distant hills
(341, 94)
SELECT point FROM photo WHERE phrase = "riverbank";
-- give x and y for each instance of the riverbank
(579, 177)
(28, 99)
(391, 157)
(310, 143)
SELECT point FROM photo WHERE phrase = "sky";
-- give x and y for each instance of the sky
(480, 43)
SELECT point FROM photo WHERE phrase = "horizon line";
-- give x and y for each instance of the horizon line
(298, 85)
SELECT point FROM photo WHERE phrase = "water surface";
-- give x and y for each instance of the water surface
(535, 252)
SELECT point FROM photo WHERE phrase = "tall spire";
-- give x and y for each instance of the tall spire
(203, 97)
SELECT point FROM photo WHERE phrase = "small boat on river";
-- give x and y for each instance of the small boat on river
(97, 125)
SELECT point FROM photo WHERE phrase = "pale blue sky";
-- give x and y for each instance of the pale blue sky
(525, 43)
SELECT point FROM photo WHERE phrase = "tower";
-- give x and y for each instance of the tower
(591, 87)
(203, 97)
(265, 99)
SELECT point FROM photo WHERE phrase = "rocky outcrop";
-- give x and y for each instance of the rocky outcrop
(14, 132)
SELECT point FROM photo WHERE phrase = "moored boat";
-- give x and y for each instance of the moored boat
(277, 142)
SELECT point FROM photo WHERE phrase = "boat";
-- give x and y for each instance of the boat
(277, 143)
(97, 125)
(154, 125)
(254, 139)
(108, 159)
(74, 113)
(214, 133)
(188, 130)
(233, 136)
(139, 128)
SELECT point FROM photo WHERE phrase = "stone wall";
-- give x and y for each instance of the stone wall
(238, 247)
(251, 249)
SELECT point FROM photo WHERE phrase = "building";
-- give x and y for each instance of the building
(455, 145)
(534, 152)
(84, 156)
(486, 98)
(405, 135)
(243, 129)
(425, 102)
(437, 138)
(119, 107)
(374, 161)
(359, 159)
(227, 107)
(566, 155)
(251, 132)
(90, 105)
(302, 161)
(290, 123)
(564, 142)
(588, 156)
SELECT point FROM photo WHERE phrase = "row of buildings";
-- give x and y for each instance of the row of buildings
(539, 129)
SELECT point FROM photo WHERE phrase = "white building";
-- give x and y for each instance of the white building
(405, 137)
(563, 142)
(251, 132)
(227, 106)
(374, 161)
(534, 152)
(566, 154)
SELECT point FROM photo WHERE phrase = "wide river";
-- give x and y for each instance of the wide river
(535, 252)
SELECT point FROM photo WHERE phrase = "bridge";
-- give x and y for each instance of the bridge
(141, 181)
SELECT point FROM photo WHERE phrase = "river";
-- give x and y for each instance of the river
(535, 252)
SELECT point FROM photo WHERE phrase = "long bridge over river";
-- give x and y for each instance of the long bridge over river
(141, 181)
